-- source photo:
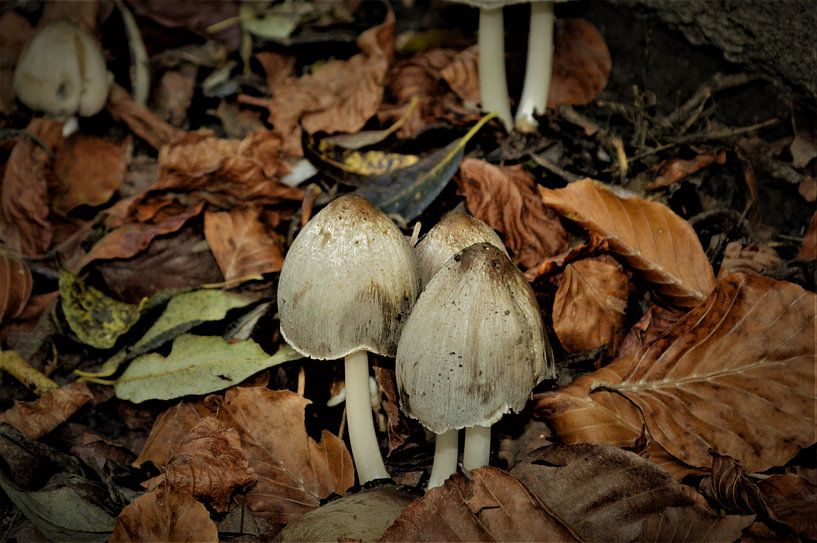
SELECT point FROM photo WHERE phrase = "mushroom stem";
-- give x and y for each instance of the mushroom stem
(493, 88)
(445, 457)
(365, 450)
(538, 67)
(477, 448)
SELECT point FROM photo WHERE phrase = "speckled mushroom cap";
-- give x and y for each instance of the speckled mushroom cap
(474, 345)
(348, 282)
(452, 234)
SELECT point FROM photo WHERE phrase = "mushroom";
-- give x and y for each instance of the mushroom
(62, 72)
(538, 66)
(472, 350)
(348, 283)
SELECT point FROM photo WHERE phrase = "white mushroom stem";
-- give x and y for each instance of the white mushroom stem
(365, 450)
(477, 448)
(538, 67)
(493, 89)
(445, 458)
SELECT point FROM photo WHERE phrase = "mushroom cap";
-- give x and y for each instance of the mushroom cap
(474, 345)
(62, 72)
(452, 234)
(496, 4)
(348, 282)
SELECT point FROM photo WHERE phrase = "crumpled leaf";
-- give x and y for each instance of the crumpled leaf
(692, 525)
(504, 198)
(653, 239)
(15, 285)
(494, 506)
(808, 250)
(677, 169)
(462, 74)
(36, 419)
(209, 464)
(730, 488)
(294, 472)
(89, 170)
(165, 515)
(340, 96)
(600, 492)
(97, 320)
(581, 63)
(196, 365)
(740, 257)
(399, 427)
(141, 121)
(792, 499)
(588, 311)
(734, 375)
(242, 244)
(168, 432)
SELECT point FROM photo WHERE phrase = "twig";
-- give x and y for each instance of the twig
(16, 366)
(723, 133)
(718, 83)
(553, 168)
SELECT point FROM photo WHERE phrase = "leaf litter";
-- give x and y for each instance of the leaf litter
(684, 405)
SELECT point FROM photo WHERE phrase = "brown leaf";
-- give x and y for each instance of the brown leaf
(142, 122)
(36, 419)
(739, 257)
(730, 488)
(803, 149)
(504, 198)
(515, 450)
(15, 31)
(601, 493)
(340, 96)
(24, 189)
(400, 428)
(164, 515)
(692, 525)
(494, 506)
(173, 94)
(294, 472)
(808, 250)
(15, 285)
(581, 63)
(734, 375)
(588, 310)
(241, 243)
(792, 498)
(209, 464)
(808, 188)
(277, 67)
(677, 169)
(462, 74)
(652, 238)
(653, 324)
(168, 432)
(89, 170)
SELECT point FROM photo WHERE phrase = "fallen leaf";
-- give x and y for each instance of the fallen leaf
(581, 63)
(601, 493)
(142, 122)
(748, 258)
(15, 285)
(493, 506)
(803, 149)
(808, 188)
(654, 323)
(504, 198)
(653, 239)
(399, 427)
(164, 515)
(677, 169)
(730, 489)
(15, 32)
(294, 471)
(277, 67)
(589, 307)
(808, 250)
(733, 375)
(36, 419)
(515, 450)
(193, 18)
(168, 432)
(208, 464)
(174, 93)
(462, 74)
(241, 243)
(693, 525)
(792, 499)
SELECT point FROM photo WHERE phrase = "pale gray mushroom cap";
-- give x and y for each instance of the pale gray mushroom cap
(348, 282)
(474, 346)
(452, 234)
(62, 72)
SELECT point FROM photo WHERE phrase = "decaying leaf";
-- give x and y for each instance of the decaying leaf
(294, 471)
(504, 198)
(803, 148)
(141, 121)
(677, 169)
(462, 74)
(165, 515)
(600, 492)
(168, 432)
(581, 63)
(15, 32)
(730, 488)
(653, 239)
(400, 428)
(15, 285)
(493, 506)
(37, 418)
(209, 464)
(692, 525)
(241, 243)
(277, 67)
(808, 250)
(734, 375)
(740, 257)
(588, 311)
(792, 499)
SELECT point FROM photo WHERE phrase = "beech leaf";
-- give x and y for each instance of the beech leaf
(241, 243)
(581, 63)
(165, 515)
(169, 431)
(692, 525)
(653, 239)
(36, 419)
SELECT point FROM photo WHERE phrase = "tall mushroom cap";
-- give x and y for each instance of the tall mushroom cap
(348, 282)
(62, 72)
(452, 234)
(474, 345)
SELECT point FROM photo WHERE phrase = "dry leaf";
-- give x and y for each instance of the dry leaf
(692, 525)
(241, 243)
(192, 17)
(653, 239)
(209, 464)
(340, 96)
(803, 149)
(808, 250)
(168, 432)
(277, 67)
(294, 472)
(504, 197)
(677, 169)
(514, 450)
(808, 188)
(653, 324)
(36, 419)
(15, 31)
(142, 122)
(581, 63)
(400, 428)
(462, 74)
(588, 310)
(792, 498)
(164, 515)
(494, 506)
(730, 488)
(174, 93)
(600, 492)
(15, 285)
(739, 257)
(734, 375)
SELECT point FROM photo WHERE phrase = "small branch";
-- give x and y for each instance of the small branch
(554, 169)
(719, 82)
(723, 133)
(16, 366)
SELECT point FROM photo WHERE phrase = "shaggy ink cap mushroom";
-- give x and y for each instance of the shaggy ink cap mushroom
(62, 72)
(472, 349)
(347, 284)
